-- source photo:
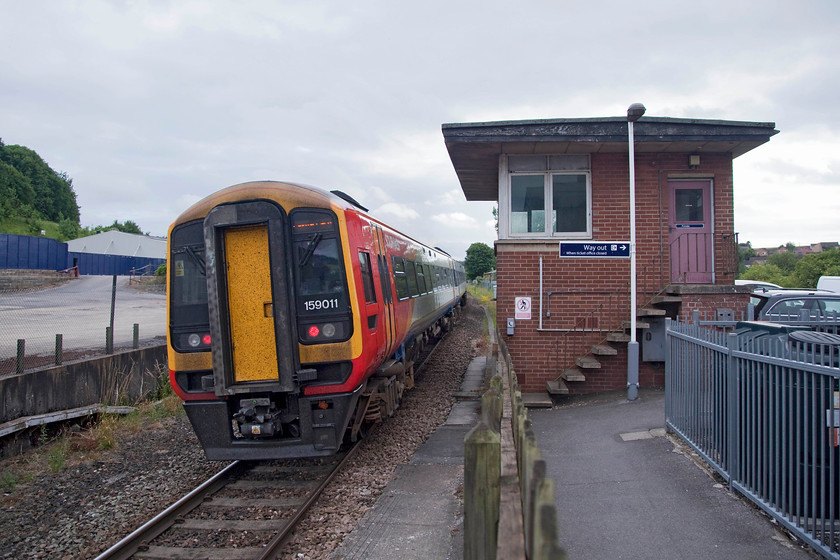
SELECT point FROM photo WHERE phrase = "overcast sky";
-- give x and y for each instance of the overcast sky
(151, 105)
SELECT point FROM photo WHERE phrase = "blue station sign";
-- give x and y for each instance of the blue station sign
(595, 249)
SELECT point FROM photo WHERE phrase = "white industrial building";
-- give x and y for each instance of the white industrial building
(115, 242)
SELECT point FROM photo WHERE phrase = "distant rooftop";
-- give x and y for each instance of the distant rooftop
(115, 242)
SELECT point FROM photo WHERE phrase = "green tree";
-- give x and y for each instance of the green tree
(480, 259)
(15, 188)
(810, 267)
(130, 227)
(49, 192)
(785, 260)
(67, 229)
(126, 227)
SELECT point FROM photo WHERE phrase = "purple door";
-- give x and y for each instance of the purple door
(690, 231)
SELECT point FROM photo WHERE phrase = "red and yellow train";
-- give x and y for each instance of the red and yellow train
(295, 318)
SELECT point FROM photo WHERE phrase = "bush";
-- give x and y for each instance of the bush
(161, 270)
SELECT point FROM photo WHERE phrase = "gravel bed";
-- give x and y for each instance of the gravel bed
(85, 508)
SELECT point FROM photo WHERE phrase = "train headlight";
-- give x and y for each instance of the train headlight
(333, 331)
(192, 342)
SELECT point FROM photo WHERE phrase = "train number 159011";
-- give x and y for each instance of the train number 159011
(320, 304)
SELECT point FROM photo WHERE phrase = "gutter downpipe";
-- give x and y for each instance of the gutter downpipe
(541, 291)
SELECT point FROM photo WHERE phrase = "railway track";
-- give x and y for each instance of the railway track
(244, 512)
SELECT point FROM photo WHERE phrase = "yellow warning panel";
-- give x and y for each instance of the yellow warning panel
(249, 295)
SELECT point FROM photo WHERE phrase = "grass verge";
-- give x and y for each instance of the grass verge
(78, 443)
(485, 298)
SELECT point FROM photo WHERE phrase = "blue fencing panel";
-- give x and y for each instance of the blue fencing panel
(107, 265)
(34, 253)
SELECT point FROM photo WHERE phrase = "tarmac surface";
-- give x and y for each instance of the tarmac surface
(623, 489)
(79, 310)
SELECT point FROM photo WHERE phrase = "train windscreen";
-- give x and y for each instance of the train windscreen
(188, 312)
(323, 305)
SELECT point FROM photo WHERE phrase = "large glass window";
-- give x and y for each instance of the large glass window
(527, 204)
(568, 196)
(569, 204)
(549, 196)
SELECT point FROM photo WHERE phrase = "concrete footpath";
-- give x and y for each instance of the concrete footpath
(624, 490)
(419, 514)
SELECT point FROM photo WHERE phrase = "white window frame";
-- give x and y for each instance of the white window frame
(505, 202)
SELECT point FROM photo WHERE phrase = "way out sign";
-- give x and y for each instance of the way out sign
(523, 308)
(595, 249)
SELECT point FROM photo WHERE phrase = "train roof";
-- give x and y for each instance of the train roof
(304, 195)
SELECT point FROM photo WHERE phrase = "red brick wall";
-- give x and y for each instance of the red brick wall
(707, 305)
(595, 293)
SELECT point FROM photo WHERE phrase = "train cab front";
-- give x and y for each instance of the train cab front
(250, 285)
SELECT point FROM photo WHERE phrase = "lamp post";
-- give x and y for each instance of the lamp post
(634, 112)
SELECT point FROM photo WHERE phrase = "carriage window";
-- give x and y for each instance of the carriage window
(411, 274)
(367, 277)
(421, 279)
(387, 295)
(400, 280)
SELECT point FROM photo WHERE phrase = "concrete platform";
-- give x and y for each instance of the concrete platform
(624, 490)
(419, 514)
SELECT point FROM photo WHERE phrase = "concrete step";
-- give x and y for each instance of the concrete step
(650, 312)
(557, 387)
(616, 336)
(587, 362)
(604, 350)
(665, 299)
(572, 374)
(639, 325)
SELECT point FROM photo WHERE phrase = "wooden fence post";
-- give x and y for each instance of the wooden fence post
(482, 472)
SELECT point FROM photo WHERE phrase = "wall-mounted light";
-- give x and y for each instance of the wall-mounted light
(693, 161)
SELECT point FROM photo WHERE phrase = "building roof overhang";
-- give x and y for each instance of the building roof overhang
(474, 148)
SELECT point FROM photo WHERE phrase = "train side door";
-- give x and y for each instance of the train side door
(387, 293)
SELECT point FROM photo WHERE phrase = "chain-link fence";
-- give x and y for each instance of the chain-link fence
(73, 320)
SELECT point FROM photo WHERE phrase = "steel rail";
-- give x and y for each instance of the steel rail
(279, 540)
(144, 534)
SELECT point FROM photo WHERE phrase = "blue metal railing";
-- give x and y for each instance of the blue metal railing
(761, 405)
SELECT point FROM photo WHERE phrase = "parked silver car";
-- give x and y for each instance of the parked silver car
(792, 305)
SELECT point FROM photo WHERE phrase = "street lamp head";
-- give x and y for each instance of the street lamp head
(635, 111)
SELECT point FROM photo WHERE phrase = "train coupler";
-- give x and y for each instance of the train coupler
(258, 417)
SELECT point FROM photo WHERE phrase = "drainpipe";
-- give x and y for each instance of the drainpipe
(541, 290)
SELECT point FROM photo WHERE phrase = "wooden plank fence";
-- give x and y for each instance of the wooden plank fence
(509, 509)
